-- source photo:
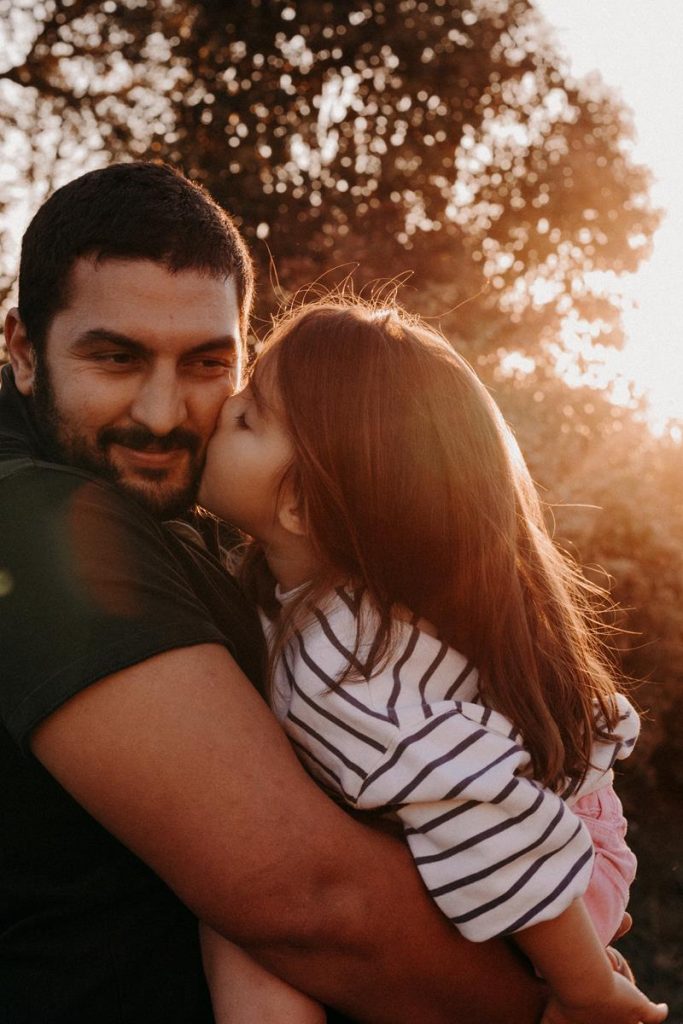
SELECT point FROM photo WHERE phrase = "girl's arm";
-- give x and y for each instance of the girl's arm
(567, 952)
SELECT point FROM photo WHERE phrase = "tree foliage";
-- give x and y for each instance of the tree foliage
(442, 139)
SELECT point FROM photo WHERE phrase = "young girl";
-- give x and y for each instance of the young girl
(433, 656)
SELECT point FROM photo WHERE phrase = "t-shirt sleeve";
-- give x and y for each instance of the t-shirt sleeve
(617, 743)
(610, 745)
(87, 587)
(496, 851)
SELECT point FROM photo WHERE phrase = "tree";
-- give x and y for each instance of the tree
(443, 139)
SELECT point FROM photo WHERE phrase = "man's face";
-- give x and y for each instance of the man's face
(134, 374)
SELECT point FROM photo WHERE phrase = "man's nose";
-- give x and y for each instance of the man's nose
(159, 404)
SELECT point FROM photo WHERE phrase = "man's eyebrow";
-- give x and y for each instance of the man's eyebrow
(216, 344)
(96, 335)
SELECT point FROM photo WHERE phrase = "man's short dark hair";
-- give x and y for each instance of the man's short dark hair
(137, 211)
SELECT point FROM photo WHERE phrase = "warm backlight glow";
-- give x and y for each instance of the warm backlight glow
(638, 51)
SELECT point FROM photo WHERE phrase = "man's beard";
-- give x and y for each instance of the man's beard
(63, 445)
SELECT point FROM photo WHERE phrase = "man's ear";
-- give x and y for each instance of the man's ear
(21, 353)
(290, 512)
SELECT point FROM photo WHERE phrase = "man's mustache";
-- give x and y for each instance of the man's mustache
(142, 440)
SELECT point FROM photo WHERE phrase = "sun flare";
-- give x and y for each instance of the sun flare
(599, 37)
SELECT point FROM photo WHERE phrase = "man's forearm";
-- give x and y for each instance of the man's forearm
(492, 989)
(385, 954)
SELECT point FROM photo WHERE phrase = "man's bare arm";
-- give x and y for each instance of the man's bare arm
(181, 759)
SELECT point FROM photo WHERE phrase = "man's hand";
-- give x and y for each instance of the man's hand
(624, 928)
(620, 964)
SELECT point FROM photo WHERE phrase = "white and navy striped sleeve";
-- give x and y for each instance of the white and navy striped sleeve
(611, 746)
(622, 738)
(496, 851)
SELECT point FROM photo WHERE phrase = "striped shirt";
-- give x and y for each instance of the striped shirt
(496, 850)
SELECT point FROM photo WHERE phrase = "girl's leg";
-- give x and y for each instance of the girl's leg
(615, 865)
(243, 992)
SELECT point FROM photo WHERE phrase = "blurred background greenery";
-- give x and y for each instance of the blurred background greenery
(443, 147)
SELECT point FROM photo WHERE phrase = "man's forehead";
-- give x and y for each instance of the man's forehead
(94, 270)
(148, 302)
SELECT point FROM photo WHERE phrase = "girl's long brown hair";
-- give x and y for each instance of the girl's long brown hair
(414, 489)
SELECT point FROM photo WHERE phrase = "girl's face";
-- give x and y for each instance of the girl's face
(245, 463)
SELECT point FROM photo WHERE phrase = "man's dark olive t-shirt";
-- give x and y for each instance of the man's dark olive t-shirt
(89, 584)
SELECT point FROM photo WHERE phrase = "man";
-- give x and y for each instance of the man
(142, 773)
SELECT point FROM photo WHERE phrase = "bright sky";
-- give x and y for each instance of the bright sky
(638, 50)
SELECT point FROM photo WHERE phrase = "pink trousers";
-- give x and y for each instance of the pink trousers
(615, 865)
